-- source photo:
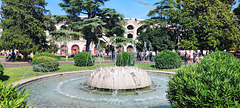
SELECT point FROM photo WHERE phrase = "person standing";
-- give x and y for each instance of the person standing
(13, 56)
(153, 55)
(186, 57)
(31, 57)
(191, 57)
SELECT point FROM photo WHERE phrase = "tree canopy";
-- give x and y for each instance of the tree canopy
(24, 24)
(97, 21)
(157, 37)
(202, 24)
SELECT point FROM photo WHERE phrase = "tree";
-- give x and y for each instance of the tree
(24, 24)
(202, 24)
(158, 37)
(237, 10)
(64, 36)
(113, 22)
(89, 26)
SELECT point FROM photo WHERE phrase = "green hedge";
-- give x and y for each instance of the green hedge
(11, 98)
(46, 54)
(45, 64)
(125, 59)
(1, 69)
(167, 60)
(213, 83)
(84, 59)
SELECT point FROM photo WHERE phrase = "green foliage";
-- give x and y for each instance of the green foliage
(45, 64)
(202, 24)
(24, 24)
(1, 69)
(213, 83)
(158, 37)
(45, 54)
(113, 22)
(11, 98)
(237, 10)
(125, 59)
(109, 21)
(167, 60)
(84, 59)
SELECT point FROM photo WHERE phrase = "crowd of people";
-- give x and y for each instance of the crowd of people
(18, 56)
(149, 55)
(192, 57)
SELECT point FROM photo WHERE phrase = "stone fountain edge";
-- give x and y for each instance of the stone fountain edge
(28, 80)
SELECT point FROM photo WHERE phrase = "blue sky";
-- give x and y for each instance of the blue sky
(129, 8)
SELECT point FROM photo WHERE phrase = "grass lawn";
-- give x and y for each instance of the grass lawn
(1, 56)
(18, 73)
(63, 58)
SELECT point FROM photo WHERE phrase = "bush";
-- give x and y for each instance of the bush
(167, 60)
(1, 69)
(213, 83)
(84, 59)
(11, 98)
(125, 59)
(46, 54)
(45, 64)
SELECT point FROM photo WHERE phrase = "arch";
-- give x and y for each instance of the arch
(130, 27)
(130, 48)
(139, 30)
(130, 36)
(63, 50)
(75, 49)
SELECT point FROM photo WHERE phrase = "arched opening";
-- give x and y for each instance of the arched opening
(139, 30)
(130, 48)
(130, 27)
(75, 49)
(63, 50)
(130, 36)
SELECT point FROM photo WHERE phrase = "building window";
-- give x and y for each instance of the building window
(130, 36)
(130, 27)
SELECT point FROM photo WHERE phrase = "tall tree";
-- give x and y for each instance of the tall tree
(203, 24)
(24, 23)
(91, 26)
(75, 8)
(113, 22)
(157, 37)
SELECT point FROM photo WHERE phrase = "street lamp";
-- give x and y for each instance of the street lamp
(115, 48)
(66, 51)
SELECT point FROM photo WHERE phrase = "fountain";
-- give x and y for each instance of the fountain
(113, 78)
(102, 87)
(66, 91)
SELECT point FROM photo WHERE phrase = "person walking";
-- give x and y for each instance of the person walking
(13, 56)
(186, 57)
(31, 57)
(191, 57)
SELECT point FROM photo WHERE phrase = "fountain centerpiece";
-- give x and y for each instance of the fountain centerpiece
(119, 78)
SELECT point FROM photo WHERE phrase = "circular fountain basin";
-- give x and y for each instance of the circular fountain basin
(119, 78)
(65, 92)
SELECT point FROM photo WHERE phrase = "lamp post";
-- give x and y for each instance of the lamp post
(66, 51)
(115, 48)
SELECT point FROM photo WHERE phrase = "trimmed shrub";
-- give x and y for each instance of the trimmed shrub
(84, 59)
(167, 60)
(213, 83)
(125, 59)
(46, 54)
(1, 69)
(11, 98)
(45, 64)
